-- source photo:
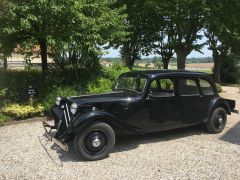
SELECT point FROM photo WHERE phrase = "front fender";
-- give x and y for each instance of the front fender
(83, 120)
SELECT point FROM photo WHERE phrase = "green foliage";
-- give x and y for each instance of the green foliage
(4, 118)
(52, 24)
(14, 83)
(48, 96)
(74, 66)
(107, 82)
(102, 85)
(230, 70)
(17, 111)
(219, 87)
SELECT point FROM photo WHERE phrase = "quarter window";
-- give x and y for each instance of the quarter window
(206, 87)
(187, 87)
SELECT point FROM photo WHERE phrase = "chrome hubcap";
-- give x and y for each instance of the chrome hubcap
(220, 120)
(96, 142)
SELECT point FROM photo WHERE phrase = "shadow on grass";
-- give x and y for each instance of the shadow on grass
(232, 135)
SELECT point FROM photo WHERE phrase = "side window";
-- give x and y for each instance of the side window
(206, 87)
(187, 87)
(162, 88)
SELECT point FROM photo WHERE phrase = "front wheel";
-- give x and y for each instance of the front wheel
(95, 142)
(217, 121)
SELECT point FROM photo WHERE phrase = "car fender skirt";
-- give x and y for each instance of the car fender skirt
(83, 120)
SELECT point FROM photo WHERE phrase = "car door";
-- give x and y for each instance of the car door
(207, 95)
(162, 103)
(190, 102)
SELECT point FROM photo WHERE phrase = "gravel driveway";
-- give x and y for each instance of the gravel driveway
(188, 153)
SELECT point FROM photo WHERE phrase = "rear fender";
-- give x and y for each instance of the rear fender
(219, 102)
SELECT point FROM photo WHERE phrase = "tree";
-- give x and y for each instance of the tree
(48, 23)
(221, 30)
(131, 46)
(167, 26)
(188, 20)
(160, 32)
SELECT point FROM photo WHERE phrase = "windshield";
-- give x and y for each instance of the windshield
(136, 84)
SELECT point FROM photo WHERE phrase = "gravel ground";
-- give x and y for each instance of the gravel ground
(188, 153)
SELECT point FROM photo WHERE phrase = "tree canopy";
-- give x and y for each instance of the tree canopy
(143, 27)
(50, 23)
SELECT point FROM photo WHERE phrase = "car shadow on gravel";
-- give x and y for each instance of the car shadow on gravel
(127, 143)
(232, 135)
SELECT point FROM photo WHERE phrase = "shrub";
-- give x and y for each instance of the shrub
(18, 111)
(49, 95)
(230, 69)
(219, 88)
(15, 83)
(107, 82)
(102, 85)
(74, 66)
(4, 118)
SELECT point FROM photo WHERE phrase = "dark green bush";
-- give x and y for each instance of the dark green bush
(4, 118)
(49, 95)
(75, 67)
(230, 70)
(219, 87)
(15, 83)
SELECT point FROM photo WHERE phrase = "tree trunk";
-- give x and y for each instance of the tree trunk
(216, 69)
(43, 48)
(5, 65)
(181, 59)
(127, 58)
(165, 63)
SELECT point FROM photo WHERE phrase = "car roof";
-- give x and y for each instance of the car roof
(156, 73)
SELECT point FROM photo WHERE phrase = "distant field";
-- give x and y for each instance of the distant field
(199, 66)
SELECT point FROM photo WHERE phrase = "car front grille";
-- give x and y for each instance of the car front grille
(66, 113)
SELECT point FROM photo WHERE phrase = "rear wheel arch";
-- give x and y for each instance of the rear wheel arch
(222, 105)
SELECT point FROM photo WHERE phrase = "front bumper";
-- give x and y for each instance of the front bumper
(50, 137)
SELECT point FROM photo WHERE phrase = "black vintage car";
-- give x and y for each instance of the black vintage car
(141, 102)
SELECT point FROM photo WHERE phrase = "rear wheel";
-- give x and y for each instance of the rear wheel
(95, 142)
(218, 120)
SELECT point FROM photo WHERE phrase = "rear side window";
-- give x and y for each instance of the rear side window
(162, 88)
(206, 87)
(187, 87)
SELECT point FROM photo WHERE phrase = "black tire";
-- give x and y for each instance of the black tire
(87, 142)
(217, 121)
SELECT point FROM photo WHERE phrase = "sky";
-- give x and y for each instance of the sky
(112, 53)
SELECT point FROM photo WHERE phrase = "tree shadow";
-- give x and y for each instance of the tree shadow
(128, 143)
(232, 135)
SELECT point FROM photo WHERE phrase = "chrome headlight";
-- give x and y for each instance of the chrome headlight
(73, 108)
(58, 100)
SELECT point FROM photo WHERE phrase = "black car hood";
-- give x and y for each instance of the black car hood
(106, 97)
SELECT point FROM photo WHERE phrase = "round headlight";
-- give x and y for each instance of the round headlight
(58, 100)
(73, 108)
